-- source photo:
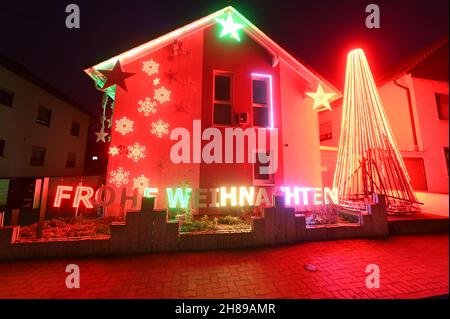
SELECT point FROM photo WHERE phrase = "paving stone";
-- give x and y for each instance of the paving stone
(411, 267)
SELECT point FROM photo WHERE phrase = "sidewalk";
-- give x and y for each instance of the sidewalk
(410, 267)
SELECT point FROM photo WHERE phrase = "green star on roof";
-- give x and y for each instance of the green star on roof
(229, 27)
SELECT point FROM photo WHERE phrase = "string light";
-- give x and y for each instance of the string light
(368, 159)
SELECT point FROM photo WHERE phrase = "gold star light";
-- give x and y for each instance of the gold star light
(321, 98)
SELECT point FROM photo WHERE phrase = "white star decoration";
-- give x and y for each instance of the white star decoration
(321, 98)
(101, 135)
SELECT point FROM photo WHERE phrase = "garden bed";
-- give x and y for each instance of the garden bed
(328, 215)
(207, 223)
(65, 228)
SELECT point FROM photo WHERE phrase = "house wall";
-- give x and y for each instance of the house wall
(433, 132)
(242, 59)
(328, 148)
(19, 130)
(182, 76)
(301, 153)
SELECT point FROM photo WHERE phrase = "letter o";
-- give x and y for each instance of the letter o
(100, 193)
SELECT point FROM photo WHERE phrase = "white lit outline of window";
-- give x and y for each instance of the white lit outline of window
(268, 76)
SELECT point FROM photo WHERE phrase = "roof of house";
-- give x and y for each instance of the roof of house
(430, 62)
(299, 66)
(26, 74)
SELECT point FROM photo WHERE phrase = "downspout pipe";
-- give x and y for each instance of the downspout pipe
(411, 114)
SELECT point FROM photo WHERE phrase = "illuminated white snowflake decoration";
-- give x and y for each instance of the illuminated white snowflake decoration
(147, 106)
(119, 177)
(160, 128)
(150, 67)
(162, 95)
(124, 125)
(141, 183)
(113, 151)
(156, 81)
(136, 152)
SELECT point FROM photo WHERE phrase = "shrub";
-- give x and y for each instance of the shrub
(229, 220)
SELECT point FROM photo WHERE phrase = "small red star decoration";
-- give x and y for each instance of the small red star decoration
(116, 76)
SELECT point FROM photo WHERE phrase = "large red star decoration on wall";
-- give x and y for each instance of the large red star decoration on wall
(115, 76)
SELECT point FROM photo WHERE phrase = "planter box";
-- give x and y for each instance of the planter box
(172, 230)
(223, 241)
(145, 235)
(248, 239)
(300, 227)
(269, 226)
(7, 237)
(235, 240)
(159, 231)
(280, 225)
(258, 230)
(336, 232)
(291, 231)
(316, 233)
(185, 242)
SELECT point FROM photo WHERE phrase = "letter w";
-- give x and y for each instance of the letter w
(179, 197)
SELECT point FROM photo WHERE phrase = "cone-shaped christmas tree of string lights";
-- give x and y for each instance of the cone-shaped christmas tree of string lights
(369, 161)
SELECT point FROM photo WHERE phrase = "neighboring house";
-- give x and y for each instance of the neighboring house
(415, 99)
(42, 132)
(239, 79)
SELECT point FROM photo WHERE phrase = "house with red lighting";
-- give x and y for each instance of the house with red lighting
(218, 72)
(415, 98)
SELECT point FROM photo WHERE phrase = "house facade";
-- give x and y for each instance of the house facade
(42, 132)
(215, 74)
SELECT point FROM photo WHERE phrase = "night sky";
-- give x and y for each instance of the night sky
(319, 32)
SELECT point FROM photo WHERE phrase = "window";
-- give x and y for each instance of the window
(6, 97)
(325, 131)
(44, 116)
(416, 171)
(71, 158)
(37, 156)
(260, 178)
(222, 98)
(2, 148)
(446, 157)
(75, 129)
(442, 106)
(260, 101)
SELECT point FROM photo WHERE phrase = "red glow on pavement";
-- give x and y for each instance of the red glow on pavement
(411, 267)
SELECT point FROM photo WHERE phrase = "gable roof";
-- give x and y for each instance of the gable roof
(301, 68)
(414, 62)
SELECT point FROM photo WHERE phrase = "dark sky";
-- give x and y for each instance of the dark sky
(320, 32)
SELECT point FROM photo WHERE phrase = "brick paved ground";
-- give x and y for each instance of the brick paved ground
(411, 267)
